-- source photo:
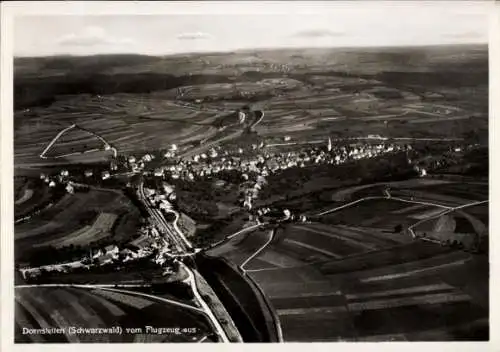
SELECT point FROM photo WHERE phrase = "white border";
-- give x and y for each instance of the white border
(15, 8)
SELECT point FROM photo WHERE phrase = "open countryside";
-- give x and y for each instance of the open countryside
(302, 194)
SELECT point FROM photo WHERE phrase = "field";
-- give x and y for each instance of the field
(327, 288)
(389, 214)
(354, 274)
(128, 122)
(137, 106)
(87, 234)
(29, 194)
(352, 277)
(77, 220)
(102, 308)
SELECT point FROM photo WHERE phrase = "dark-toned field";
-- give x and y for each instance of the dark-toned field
(354, 278)
(78, 219)
(66, 307)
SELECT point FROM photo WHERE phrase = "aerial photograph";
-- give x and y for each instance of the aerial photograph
(275, 174)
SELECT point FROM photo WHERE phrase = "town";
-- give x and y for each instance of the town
(250, 165)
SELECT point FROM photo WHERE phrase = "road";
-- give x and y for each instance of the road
(178, 230)
(122, 288)
(446, 209)
(208, 145)
(232, 134)
(258, 251)
(410, 139)
(171, 232)
(58, 135)
(206, 309)
(449, 210)
(182, 245)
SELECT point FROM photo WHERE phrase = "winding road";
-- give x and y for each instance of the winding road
(184, 248)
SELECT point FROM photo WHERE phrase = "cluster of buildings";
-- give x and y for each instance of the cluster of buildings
(259, 161)
(54, 180)
(138, 164)
(426, 162)
(62, 179)
(108, 255)
(251, 166)
(161, 198)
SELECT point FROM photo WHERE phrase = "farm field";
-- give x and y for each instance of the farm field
(468, 191)
(89, 233)
(28, 194)
(128, 122)
(390, 213)
(135, 114)
(353, 269)
(455, 222)
(342, 284)
(78, 219)
(355, 274)
(102, 308)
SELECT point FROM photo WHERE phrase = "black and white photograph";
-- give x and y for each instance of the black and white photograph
(240, 173)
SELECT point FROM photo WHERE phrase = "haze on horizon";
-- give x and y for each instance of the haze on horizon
(354, 24)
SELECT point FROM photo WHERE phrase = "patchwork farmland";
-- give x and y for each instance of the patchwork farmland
(78, 219)
(353, 269)
(341, 278)
(85, 235)
(88, 308)
(361, 265)
(128, 122)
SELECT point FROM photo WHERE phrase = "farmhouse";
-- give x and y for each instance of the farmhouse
(112, 249)
(105, 259)
(158, 172)
(70, 188)
(105, 175)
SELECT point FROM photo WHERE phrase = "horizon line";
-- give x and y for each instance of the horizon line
(243, 50)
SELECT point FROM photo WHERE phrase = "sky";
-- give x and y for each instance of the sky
(285, 24)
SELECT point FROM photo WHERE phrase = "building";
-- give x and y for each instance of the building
(158, 172)
(241, 116)
(149, 192)
(70, 188)
(166, 205)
